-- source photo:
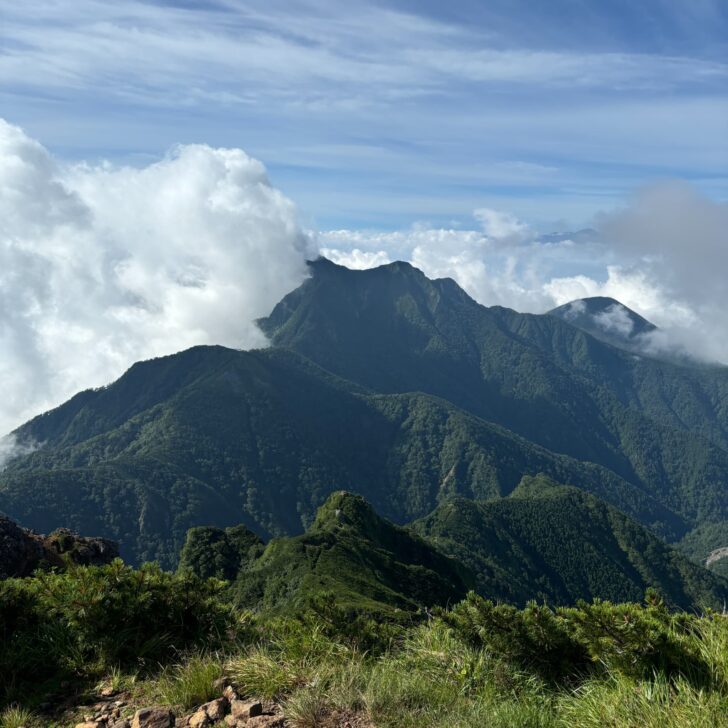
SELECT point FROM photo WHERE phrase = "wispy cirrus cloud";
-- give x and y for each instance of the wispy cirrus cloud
(409, 107)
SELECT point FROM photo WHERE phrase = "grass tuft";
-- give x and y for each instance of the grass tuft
(191, 683)
(17, 717)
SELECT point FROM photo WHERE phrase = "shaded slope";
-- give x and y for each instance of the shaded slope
(560, 544)
(658, 425)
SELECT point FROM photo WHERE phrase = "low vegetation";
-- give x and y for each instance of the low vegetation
(168, 639)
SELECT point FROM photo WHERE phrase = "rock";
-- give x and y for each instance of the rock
(240, 710)
(20, 552)
(106, 692)
(88, 724)
(121, 724)
(23, 551)
(266, 721)
(153, 718)
(83, 550)
(230, 693)
(216, 709)
(200, 719)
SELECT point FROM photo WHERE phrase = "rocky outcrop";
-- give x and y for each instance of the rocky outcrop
(22, 551)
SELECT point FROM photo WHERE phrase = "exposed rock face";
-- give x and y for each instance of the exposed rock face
(22, 551)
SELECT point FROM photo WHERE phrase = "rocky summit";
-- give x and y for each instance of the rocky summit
(22, 551)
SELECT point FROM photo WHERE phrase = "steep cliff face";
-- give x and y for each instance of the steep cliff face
(22, 551)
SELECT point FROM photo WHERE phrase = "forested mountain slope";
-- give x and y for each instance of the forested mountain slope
(262, 438)
(656, 424)
(558, 544)
(387, 384)
(361, 558)
(544, 542)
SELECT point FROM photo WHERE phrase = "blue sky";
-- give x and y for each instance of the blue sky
(379, 115)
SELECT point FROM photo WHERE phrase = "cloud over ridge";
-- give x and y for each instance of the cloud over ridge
(101, 266)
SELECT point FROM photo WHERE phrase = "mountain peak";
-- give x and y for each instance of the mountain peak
(343, 507)
(605, 318)
(322, 265)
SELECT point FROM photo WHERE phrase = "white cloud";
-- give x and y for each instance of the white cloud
(502, 226)
(615, 319)
(101, 266)
(357, 259)
(11, 448)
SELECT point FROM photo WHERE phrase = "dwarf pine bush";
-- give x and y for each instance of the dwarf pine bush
(89, 619)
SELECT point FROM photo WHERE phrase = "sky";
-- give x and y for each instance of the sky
(167, 167)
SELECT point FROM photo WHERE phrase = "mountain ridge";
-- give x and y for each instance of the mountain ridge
(386, 383)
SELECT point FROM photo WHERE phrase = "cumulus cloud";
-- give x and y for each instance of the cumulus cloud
(101, 266)
(502, 262)
(357, 259)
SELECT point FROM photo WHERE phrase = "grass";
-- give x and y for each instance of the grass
(622, 703)
(17, 717)
(432, 677)
(190, 683)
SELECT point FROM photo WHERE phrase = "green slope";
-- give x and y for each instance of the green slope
(560, 544)
(545, 542)
(262, 438)
(658, 425)
(219, 552)
(363, 559)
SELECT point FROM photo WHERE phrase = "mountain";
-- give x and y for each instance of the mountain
(559, 544)
(366, 561)
(220, 437)
(656, 424)
(544, 542)
(606, 319)
(384, 383)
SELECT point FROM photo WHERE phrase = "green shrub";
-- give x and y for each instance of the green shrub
(88, 619)
(535, 638)
(16, 717)
(569, 643)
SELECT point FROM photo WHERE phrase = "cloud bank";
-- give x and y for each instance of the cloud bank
(101, 266)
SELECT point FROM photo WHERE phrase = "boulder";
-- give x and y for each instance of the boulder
(154, 717)
(199, 719)
(242, 710)
(216, 709)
